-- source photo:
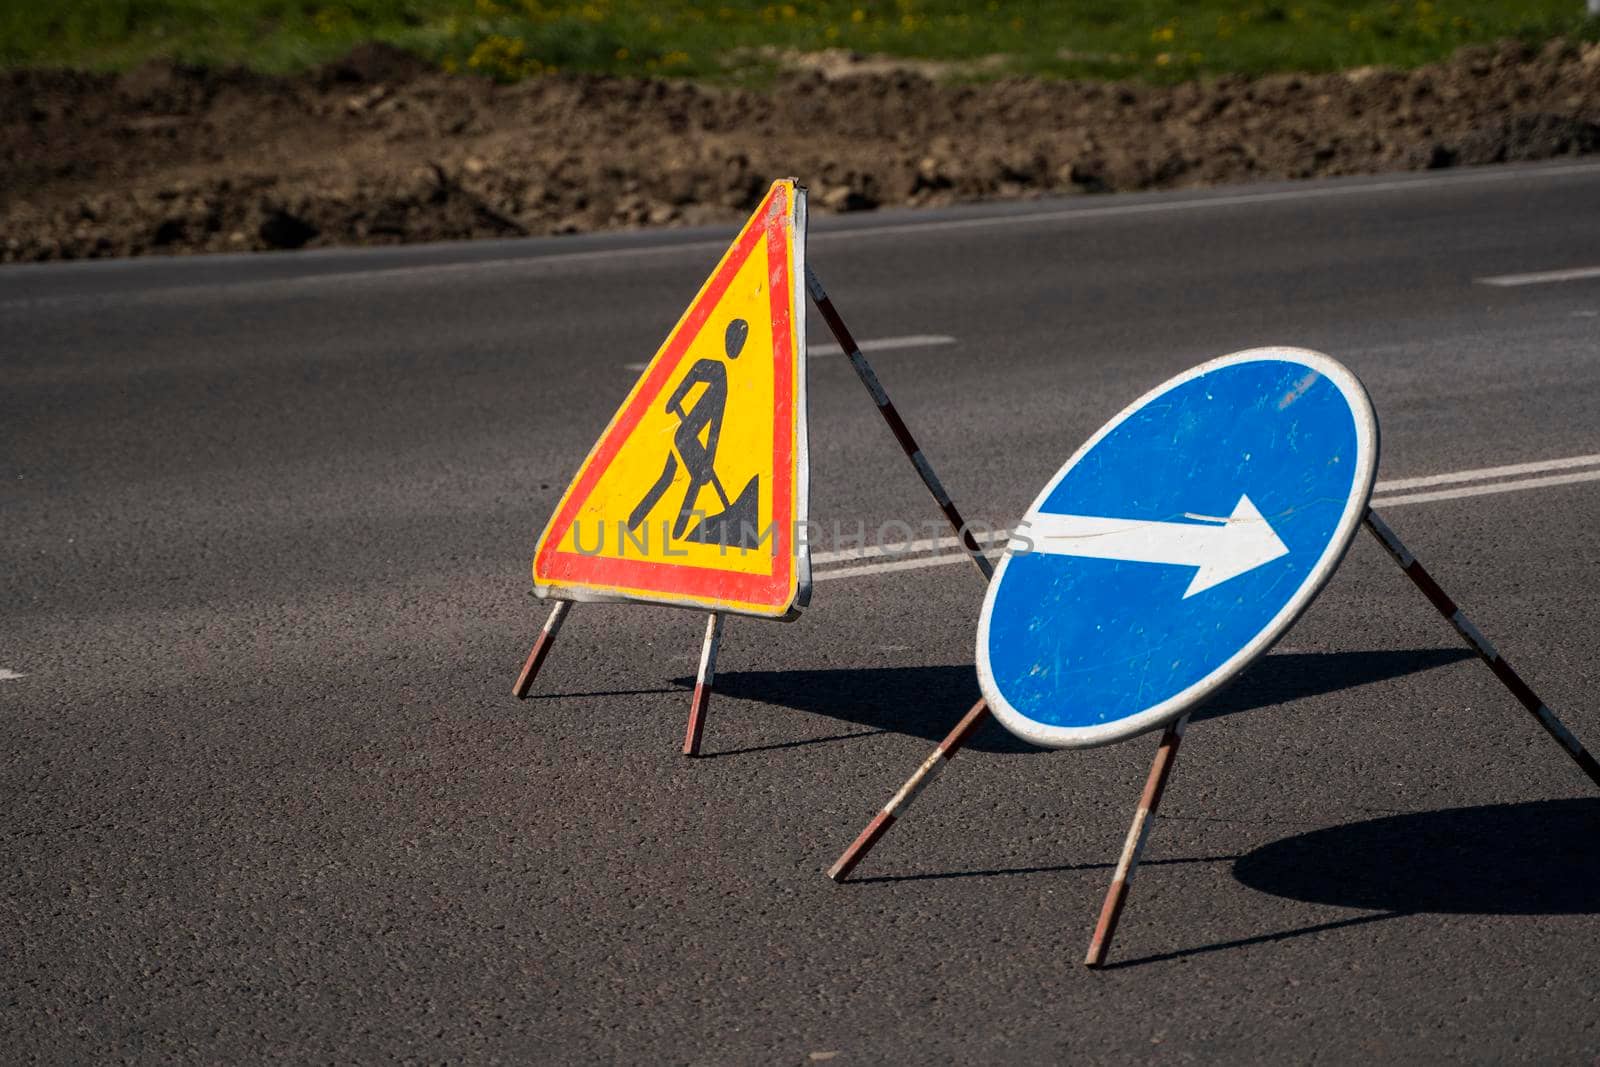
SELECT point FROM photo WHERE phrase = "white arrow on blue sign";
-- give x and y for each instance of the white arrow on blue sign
(1176, 545)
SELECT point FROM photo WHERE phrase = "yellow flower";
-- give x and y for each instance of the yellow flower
(502, 57)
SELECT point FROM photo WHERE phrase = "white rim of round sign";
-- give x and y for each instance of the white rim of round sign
(1366, 469)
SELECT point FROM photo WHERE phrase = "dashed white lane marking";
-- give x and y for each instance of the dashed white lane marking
(884, 344)
(7, 674)
(881, 344)
(1395, 498)
(1541, 277)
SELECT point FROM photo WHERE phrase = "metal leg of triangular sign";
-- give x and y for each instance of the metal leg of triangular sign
(702, 685)
(1117, 895)
(897, 426)
(541, 648)
(902, 800)
(1480, 644)
(980, 711)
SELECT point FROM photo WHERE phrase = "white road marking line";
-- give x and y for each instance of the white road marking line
(1482, 474)
(884, 344)
(881, 344)
(1065, 215)
(1540, 277)
(1485, 490)
(1378, 501)
(891, 565)
(919, 545)
(7, 674)
(1235, 200)
(932, 226)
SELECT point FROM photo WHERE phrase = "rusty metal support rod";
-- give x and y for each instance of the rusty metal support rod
(1133, 847)
(915, 784)
(702, 685)
(897, 426)
(1478, 643)
(541, 648)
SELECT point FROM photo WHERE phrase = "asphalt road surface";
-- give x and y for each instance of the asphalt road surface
(266, 532)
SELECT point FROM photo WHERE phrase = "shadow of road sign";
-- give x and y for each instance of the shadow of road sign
(918, 700)
(1535, 858)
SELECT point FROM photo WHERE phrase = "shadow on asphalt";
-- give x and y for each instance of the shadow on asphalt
(1536, 858)
(1004, 871)
(1259, 939)
(925, 702)
(610, 693)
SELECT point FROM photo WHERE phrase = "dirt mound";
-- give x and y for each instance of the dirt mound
(378, 148)
(373, 64)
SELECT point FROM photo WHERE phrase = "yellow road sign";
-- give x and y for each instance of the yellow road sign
(695, 494)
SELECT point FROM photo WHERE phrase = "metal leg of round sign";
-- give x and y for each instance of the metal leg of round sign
(1480, 644)
(702, 685)
(541, 648)
(1117, 895)
(900, 801)
(897, 426)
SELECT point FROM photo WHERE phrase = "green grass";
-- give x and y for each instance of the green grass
(731, 40)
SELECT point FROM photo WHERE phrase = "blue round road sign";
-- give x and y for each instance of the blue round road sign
(1176, 546)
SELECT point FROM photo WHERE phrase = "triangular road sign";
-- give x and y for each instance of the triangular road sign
(695, 495)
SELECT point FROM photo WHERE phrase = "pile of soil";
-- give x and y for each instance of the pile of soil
(380, 148)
